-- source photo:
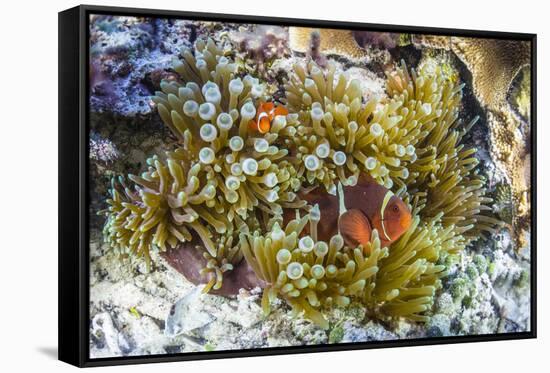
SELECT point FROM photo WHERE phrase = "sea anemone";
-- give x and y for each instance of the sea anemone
(347, 136)
(444, 177)
(218, 176)
(223, 188)
(306, 273)
(311, 275)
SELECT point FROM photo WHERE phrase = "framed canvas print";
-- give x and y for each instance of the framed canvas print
(237, 186)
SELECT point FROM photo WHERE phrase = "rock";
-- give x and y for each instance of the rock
(439, 326)
(105, 331)
(123, 52)
(247, 312)
(372, 331)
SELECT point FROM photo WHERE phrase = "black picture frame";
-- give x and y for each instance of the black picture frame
(74, 200)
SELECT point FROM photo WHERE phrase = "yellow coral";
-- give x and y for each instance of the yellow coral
(494, 63)
(332, 41)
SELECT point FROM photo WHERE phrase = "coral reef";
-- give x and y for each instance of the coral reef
(201, 191)
(380, 40)
(520, 94)
(311, 274)
(314, 49)
(444, 178)
(128, 55)
(340, 137)
(216, 179)
(478, 296)
(494, 64)
(129, 308)
(307, 273)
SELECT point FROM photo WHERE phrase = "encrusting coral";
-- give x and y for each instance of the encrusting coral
(224, 188)
(347, 43)
(332, 41)
(494, 64)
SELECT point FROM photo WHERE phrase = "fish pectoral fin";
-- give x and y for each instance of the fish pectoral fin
(354, 228)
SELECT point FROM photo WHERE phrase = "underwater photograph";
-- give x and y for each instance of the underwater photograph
(254, 186)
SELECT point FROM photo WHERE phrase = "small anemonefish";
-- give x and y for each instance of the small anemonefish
(266, 112)
(369, 206)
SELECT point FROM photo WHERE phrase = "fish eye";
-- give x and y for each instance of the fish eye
(395, 208)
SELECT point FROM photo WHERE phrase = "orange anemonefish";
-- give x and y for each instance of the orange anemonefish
(266, 112)
(359, 209)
